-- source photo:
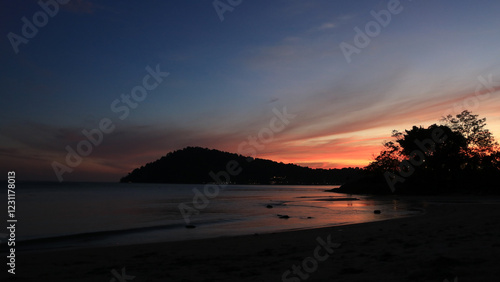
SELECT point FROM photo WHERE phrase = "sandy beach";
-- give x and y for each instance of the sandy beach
(454, 237)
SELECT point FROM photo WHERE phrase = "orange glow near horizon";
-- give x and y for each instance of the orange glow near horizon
(352, 158)
(335, 153)
(356, 149)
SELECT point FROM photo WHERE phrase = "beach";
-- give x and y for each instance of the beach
(453, 238)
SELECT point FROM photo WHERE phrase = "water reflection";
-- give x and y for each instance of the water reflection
(236, 210)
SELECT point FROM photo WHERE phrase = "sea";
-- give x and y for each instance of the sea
(81, 215)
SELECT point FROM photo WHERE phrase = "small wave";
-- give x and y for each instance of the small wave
(62, 241)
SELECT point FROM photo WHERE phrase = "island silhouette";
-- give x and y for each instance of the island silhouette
(202, 165)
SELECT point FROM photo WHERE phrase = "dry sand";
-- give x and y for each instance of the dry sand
(450, 240)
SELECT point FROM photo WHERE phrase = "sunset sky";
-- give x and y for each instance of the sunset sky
(230, 71)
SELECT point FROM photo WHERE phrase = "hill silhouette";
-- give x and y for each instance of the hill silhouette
(202, 165)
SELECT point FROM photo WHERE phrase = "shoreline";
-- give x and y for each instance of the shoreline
(85, 236)
(222, 226)
(459, 239)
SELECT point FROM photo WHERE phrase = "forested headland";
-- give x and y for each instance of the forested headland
(202, 165)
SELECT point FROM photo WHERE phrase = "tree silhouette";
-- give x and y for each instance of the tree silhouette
(442, 156)
(457, 155)
(388, 159)
(480, 141)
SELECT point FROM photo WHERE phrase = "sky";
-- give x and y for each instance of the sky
(93, 89)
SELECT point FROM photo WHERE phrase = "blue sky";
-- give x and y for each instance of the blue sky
(226, 77)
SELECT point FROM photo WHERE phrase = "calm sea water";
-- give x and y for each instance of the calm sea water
(73, 215)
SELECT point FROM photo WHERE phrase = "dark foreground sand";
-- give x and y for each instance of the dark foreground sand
(449, 240)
